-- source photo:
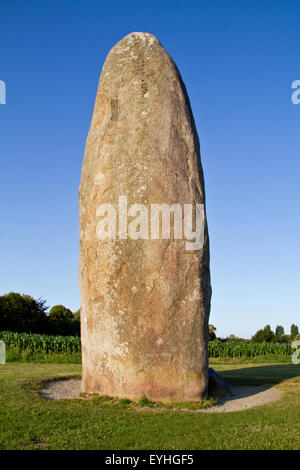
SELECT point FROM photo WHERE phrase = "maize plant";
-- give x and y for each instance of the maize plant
(71, 344)
(245, 349)
(40, 343)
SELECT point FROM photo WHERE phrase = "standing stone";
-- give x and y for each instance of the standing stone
(145, 302)
(2, 353)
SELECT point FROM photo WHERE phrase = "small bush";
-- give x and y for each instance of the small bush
(144, 401)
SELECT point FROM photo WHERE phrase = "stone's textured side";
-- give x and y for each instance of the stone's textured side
(145, 303)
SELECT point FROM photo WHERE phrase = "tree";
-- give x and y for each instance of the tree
(279, 330)
(22, 313)
(265, 335)
(61, 321)
(283, 339)
(211, 332)
(294, 331)
(235, 338)
(77, 314)
(76, 323)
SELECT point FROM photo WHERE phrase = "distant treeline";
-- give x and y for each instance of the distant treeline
(23, 313)
(265, 335)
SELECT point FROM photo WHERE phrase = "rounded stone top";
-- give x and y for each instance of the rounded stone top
(141, 35)
(146, 39)
(132, 49)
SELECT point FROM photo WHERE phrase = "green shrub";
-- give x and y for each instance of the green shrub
(144, 401)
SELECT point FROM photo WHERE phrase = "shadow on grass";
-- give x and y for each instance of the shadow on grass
(261, 375)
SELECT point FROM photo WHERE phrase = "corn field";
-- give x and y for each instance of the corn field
(40, 343)
(245, 349)
(71, 344)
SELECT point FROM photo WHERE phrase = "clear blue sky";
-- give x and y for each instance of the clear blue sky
(238, 60)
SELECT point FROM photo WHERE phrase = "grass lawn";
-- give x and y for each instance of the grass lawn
(30, 422)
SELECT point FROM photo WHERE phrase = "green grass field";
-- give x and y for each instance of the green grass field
(30, 422)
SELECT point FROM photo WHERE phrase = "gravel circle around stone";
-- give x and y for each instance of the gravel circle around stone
(66, 389)
(243, 397)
